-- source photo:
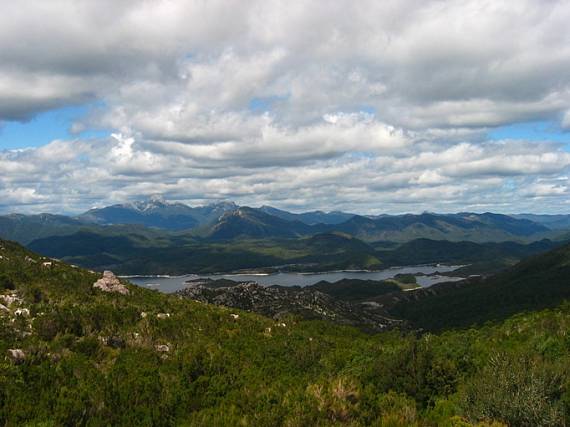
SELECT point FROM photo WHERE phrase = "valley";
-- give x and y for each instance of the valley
(326, 318)
(156, 237)
(424, 275)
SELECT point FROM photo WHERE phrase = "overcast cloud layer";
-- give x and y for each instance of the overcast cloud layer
(366, 106)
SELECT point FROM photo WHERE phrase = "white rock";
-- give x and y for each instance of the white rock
(16, 355)
(234, 316)
(10, 299)
(22, 312)
(163, 348)
(110, 283)
(163, 315)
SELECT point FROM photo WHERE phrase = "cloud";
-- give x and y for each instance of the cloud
(75, 175)
(369, 106)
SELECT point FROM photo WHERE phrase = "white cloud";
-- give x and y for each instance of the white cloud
(78, 174)
(368, 106)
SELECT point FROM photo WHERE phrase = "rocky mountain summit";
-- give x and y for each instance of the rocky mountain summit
(280, 301)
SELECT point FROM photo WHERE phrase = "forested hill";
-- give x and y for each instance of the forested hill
(115, 354)
(537, 282)
(227, 221)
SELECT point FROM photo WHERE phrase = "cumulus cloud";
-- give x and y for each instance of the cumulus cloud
(371, 106)
(79, 174)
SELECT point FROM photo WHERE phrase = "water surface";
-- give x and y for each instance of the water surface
(174, 283)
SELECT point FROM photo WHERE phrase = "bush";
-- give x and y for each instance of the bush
(517, 390)
(397, 410)
(336, 399)
(6, 283)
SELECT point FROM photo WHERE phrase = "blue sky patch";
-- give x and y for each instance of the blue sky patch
(46, 127)
(531, 131)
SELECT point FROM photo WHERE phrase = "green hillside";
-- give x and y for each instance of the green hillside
(26, 228)
(537, 282)
(139, 250)
(131, 249)
(76, 355)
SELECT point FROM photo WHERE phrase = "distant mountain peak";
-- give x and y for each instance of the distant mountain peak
(153, 202)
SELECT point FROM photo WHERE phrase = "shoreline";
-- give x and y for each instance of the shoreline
(300, 273)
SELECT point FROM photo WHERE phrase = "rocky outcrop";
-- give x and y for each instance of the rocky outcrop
(10, 299)
(278, 301)
(110, 283)
(16, 356)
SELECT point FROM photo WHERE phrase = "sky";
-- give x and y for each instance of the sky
(370, 107)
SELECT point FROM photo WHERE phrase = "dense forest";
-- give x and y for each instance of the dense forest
(75, 355)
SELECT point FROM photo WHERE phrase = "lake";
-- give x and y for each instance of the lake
(175, 283)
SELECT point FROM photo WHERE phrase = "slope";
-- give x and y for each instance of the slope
(309, 218)
(26, 228)
(477, 228)
(538, 282)
(76, 355)
(156, 212)
(252, 223)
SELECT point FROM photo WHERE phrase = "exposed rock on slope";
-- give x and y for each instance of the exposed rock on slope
(16, 356)
(278, 301)
(110, 283)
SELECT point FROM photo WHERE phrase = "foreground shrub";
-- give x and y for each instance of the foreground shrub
(517, 390)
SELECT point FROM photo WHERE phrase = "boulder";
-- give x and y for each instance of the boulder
(10, 299)
(110, 283)
(24, 312)
(16, 355)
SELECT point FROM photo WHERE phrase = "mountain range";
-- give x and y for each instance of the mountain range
(157, 212)
(159, 237)
(226, 220)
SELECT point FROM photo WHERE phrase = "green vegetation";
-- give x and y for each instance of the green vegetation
(96, 358)
(356, 289)
(136, 250)
(157, 237)
(483, 258)
(405, 282)
(26, 228)
(537, 282)
(129, 249)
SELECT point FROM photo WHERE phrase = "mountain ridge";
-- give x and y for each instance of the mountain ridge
(205, 220)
